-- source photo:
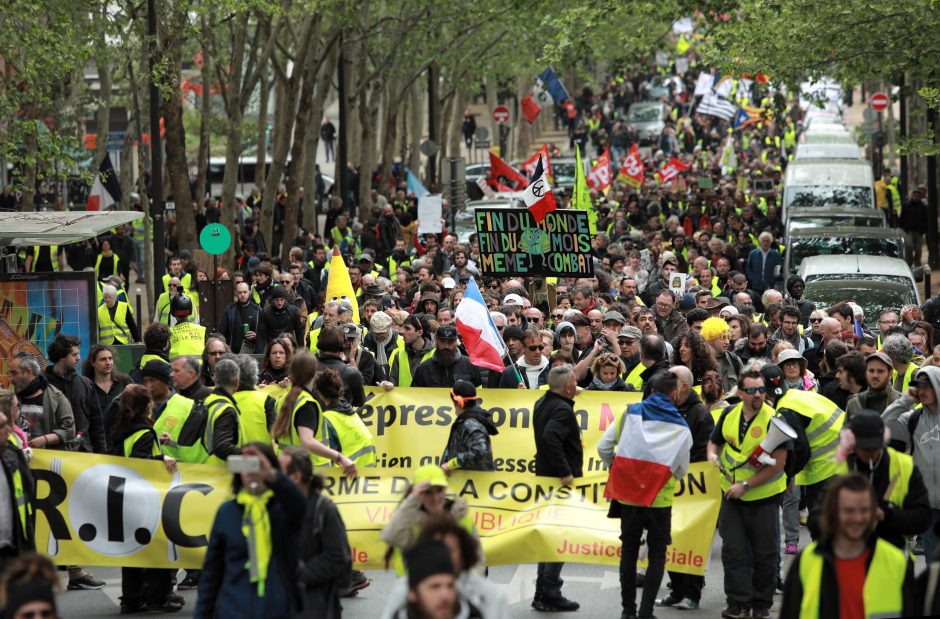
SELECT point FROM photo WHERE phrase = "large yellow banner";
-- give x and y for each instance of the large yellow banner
(101, 510)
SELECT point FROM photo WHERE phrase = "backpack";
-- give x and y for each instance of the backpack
(195, 425)
(798, 450)
(322, 504)
(912, 422)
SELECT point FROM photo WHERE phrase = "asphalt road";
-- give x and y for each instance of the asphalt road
(597, 588)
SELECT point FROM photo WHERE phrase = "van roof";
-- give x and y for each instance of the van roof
(848, 231)
(849, 264)
(832, 172)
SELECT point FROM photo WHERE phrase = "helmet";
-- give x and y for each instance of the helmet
(181, 306)
(773, 381)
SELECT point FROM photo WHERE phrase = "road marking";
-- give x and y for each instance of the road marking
(522, 585)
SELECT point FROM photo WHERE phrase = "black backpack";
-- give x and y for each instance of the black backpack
(798, 450)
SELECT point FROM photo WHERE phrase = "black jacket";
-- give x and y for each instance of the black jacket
(648, 374)
(88, 416)
(701, 424)
(469, 440)
(273, 322)
(232, 321)
(353, 392)
(829, 588)
(558, 448)
(325, 559)
(433, 373)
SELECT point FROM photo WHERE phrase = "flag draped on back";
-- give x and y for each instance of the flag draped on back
(653, 445)
(478, 331)
(501, 169)
(106, 191)
(581, 199)
(538, 195)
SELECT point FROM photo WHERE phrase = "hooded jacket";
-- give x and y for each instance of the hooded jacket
(469, 440)
(806, 308)
(701, 425)
(80, 393)
(926, 435)
(272, 322)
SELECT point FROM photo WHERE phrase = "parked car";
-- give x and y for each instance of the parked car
(876, 283)
(840, 240)
(648, 119)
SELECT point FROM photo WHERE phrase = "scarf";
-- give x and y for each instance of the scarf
(256, 527)
(40, 382)
(380, 357)
(600, 385)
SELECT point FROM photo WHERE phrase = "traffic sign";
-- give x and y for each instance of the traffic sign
(429, 148)
(879, 101)
(215, 239)
(482, 133)
(501, 114)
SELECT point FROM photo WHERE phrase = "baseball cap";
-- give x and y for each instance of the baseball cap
(380, 323)
(446, 332)
(615, 316)
(345, 306)
(350, 330)
(448, 282)
(253, 263)
(432, 474)
(880, 356)
(868, 428)
(630, 332)
(512, 299)
(158, 369)
(921, 378)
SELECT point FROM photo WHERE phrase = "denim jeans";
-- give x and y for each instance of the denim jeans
(931, 541)
(791, 515)
(548, 583)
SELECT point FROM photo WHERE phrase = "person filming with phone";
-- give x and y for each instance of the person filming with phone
(250, 565)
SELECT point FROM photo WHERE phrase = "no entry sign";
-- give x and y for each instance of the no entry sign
(501, 114)
(879, 101)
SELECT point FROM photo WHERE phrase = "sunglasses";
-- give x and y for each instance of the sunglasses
(558, 316)
(753, 390)
(534, 348)
(815, 321)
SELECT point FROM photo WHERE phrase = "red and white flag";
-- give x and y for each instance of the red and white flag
(478, 331)
(106, 191)
(600, 175)
(533, 102)
(538, 195)
(633, 170)
(499, 169)
(528, 167)
(670, 170)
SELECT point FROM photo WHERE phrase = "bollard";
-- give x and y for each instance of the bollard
(138, 303)
(927, 293)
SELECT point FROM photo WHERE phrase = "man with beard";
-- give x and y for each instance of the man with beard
(757, 345)
(462, 265)
(389, 231)
(628, 290)
(414, 347)
(277, 318)
(711, 392)
(646, 322)
(316, 267)
(795, 287)
(432, 589)
(63, 354)
(670, 322)
(879, 394)
(447, 364)
(239, 322)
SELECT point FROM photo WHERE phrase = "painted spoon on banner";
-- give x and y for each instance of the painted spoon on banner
(52, 548)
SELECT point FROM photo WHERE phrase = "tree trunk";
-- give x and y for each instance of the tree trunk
(368, 118)
(103, 114)
(417, 124)
(202, 158)
(31, 166)
(455, 127)
(261, 148)
(523, 129)
(389, 137)
(323, 89)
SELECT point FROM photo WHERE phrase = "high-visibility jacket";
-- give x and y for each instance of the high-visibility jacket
(908, 374)
(187, 338)
(24, 509)
(114, 268)
(734, 453)
(53, 255)
(139, 229)
(252, 420)
(354, 438)
(144, 359)
(826, 420)
(393, 267)
(633, 378)
(186, 280)
(216, 406)
(884, 582)
(900, 469)
(113, 331)
(293, 439)
(314, 338)
(131, 440)
(163, 308)
(892, 189)
(171, 421)
(405, 371)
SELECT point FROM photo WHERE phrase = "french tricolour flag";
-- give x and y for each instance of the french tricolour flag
(106, 191)
(477, 330)
(653, 446)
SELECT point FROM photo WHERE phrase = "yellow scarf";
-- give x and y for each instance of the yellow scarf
(256, 527)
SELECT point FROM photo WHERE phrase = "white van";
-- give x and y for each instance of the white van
(825, 183)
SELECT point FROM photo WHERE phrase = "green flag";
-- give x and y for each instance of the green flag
(581, 199)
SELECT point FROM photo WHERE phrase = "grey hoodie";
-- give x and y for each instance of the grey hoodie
(926, 435)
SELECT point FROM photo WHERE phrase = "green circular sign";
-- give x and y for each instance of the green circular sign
(215, 239)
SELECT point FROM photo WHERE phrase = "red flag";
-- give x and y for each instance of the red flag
(538, 195)
(600, 175)
(501, 169)
(632, 172)
(670, 170)
(532, 162)
(530, 109)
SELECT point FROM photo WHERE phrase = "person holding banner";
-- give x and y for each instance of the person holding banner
(469, 446)
(748, 520)
(250, 567)
(133, 436)
(17, 491)
(558, 453)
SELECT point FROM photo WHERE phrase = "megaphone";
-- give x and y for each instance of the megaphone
(778, 433)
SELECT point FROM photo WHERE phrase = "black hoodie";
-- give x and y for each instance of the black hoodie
(469, 441)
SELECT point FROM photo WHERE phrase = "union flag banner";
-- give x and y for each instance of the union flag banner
(600, 175)
(633, 170)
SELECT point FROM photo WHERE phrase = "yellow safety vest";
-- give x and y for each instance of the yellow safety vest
(23, 507)
(53, 254)
(633, 378)
(405, 374)
(393, 267)
(131, 440)
(314, 338)
(185, 281)
(145, 359)
(908, 374)
(252, 423)
(163, 308)
(113, 331)
(883, 583)
(171, 421)
(900, 469)
(734, 454)
(355, 439)
(187, 338)
(293, 440)
(98, 265)
(826, 420)
(895, 196)
(216, 405)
